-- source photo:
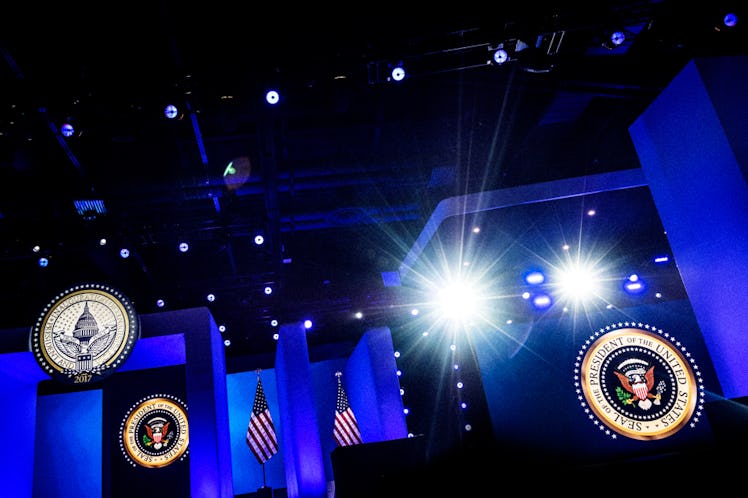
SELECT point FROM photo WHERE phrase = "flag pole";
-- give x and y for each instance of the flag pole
(264, 481)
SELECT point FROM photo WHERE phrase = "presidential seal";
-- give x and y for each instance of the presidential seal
(85, 333)
(154, 432)
(638, 381)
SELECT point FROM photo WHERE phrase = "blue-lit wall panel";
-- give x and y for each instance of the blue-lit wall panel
(305, 471)
(68, 445)
(527, 371)
(375, 390)
(693, 148)
(19, 375)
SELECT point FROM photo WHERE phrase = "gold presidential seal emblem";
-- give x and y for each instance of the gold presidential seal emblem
(155, 432)
(85, 333)
(635, 380)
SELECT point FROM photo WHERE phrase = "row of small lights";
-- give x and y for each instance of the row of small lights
(499, 56)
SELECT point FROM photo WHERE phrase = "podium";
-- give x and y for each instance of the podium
(387, 468)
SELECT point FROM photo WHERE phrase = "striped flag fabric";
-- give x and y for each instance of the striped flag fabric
(261, 437)
(345, 431)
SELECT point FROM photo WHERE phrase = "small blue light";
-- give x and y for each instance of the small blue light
(43, 262)
(634, 285)
(398, 73)
(272, 97)
(541, 301)
(307, 324)
(124, 253)
(170, 111)
(534, 277)
(67, 130)
(617, 38)
(500, 56)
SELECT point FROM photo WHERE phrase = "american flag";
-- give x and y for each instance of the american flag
(345, 431)
(261, 437)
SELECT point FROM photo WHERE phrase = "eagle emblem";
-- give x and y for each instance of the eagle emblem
(157, 430)
(638, 381)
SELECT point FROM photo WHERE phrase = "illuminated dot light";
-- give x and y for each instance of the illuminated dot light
(272, 97)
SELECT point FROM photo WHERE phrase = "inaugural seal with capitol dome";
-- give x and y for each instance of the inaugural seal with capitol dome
(85, 333)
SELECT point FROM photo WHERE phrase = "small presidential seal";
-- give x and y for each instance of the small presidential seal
(635, 380)
(155, 432)
(85, 333)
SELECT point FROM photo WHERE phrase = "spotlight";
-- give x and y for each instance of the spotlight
(500, 56)
(259, 240)
(307, 324)
(171, 111)
(184, 247)
(67, 130)
(268, 290)
(272, 97)
(398, 73)
(617, 38)
(124, 253)
(160, 303)
(211, 297)
(730, 20)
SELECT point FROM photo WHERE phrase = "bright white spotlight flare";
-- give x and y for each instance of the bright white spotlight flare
(578, 283)
(457, 301)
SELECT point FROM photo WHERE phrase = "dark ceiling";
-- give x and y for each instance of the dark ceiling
(340, 176)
